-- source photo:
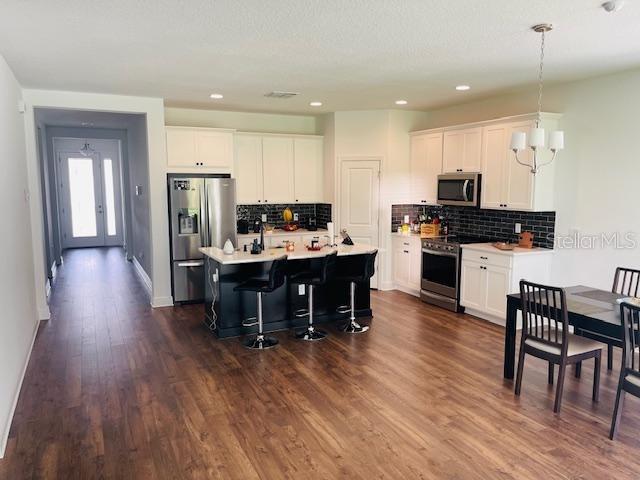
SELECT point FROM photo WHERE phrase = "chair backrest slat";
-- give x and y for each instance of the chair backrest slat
(626, 282)
(630, 318)
(544, 314)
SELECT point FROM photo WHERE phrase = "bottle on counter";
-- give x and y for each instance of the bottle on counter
(444, 227)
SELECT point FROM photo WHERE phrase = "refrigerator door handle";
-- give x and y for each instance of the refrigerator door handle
(204, 216)
(195, 263)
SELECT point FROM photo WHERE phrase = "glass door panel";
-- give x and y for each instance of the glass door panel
(82, 197)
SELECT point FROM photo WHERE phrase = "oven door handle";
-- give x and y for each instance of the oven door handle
(441, 254)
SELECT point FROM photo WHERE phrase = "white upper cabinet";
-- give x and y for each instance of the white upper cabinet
(277, 169)
(199, 147)
(425, 166)
(308, 170)
(508, 185)
(248, 169)
(271, 168)
(462, 150)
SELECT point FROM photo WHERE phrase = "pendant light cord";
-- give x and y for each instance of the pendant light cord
(540, 79)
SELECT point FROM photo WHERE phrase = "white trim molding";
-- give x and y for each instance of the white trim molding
(146, 281)
(5, 432)
(157, 302)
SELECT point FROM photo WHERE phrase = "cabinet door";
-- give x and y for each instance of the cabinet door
(494, 157)
(452, 151)
(181, 147)
(497, 289)
(401, 266)
(415, 260)
(214, 149)
(425, 166)
(278, 169)
(248, 169)
(518, 178)
(308, 170)
(472, 158)
(473, 285)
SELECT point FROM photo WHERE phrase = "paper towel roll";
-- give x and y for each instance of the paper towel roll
(331, 233)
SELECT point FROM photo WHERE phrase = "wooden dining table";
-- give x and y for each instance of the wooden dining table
(589, 309)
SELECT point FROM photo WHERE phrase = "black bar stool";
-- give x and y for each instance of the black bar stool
(260, 286)
(361, 273)
(311, 279)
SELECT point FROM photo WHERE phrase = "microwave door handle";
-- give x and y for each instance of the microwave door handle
(465, 188)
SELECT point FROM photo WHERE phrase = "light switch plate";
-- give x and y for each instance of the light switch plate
(518, 228)
(295, 217)
(264, 218)
(300, 289)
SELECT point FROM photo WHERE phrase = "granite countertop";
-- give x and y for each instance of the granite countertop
(271, 254)
(280, 232)
(489, 248)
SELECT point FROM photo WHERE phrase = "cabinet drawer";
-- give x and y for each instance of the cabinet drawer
(279, 240)
(486, 258)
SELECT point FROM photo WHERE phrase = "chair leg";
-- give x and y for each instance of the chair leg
(520, 369)
(311, 334)
(609, 357)
(578, 369)
(352, 326)
(617, 410)
(560, 387)
(551, 369)
(596, 377)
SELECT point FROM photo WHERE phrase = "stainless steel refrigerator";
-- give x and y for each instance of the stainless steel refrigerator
(202, 212)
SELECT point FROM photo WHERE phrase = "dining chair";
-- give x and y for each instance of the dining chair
(630, 370)
(545, 335)
(626, 281)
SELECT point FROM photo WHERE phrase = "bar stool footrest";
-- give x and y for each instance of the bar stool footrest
(343, 309)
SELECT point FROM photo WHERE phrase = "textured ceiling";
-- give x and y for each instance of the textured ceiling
(349, 54)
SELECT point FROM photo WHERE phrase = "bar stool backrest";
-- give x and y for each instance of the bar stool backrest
(328, 268)
(370, 265)
(277, 273)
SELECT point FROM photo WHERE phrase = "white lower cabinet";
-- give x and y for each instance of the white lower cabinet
(407, 258)
(487, 278)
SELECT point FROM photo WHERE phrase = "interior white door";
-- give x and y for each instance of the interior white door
(90, 193)
(359, 202)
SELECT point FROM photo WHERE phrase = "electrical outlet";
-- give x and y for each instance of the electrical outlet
(301, 289)
(295, 217)
(264, 218)
(518, 228)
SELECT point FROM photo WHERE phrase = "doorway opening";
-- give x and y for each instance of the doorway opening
(94, 175)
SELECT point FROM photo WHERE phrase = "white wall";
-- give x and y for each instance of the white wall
(596, 175)
(242, 121)
(153, 109)
(378, 134)
(18, 321)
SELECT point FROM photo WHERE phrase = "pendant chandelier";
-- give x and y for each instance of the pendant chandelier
(86, 150)
(537, 134)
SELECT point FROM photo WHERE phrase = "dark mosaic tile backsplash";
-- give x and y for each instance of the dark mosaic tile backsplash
(491, 225)
(322, 212)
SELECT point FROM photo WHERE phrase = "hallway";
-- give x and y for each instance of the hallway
(115, 389)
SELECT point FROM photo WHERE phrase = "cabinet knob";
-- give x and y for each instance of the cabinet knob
(484, 258)
(406, 251)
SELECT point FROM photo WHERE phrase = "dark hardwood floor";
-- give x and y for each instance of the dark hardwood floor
(115, 389)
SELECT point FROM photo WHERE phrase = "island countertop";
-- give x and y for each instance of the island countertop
(269, 254)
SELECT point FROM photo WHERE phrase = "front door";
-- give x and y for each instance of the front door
(359, 202)
(90, 195)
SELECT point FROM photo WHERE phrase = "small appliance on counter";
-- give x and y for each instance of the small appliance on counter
(257, 225)
(312, 224)
(243, 226)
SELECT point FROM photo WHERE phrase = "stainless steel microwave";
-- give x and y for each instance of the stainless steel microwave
(459, 189)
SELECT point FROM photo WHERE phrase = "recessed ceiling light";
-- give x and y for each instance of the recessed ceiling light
(401, 102)
(316, 104)
(463, 88)
(216, 96)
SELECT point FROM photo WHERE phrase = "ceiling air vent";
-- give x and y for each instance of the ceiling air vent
(277, 94)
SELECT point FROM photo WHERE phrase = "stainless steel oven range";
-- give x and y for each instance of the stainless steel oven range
(440, 282)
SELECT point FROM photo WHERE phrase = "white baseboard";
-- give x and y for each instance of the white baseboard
(409, 290)
(5, 433)
(44, 313)
(146, 281)
(485, 316)
(162, 302)
(386, 286)
(47, 288)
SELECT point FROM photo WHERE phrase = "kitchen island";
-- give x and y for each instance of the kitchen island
(227, 312)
